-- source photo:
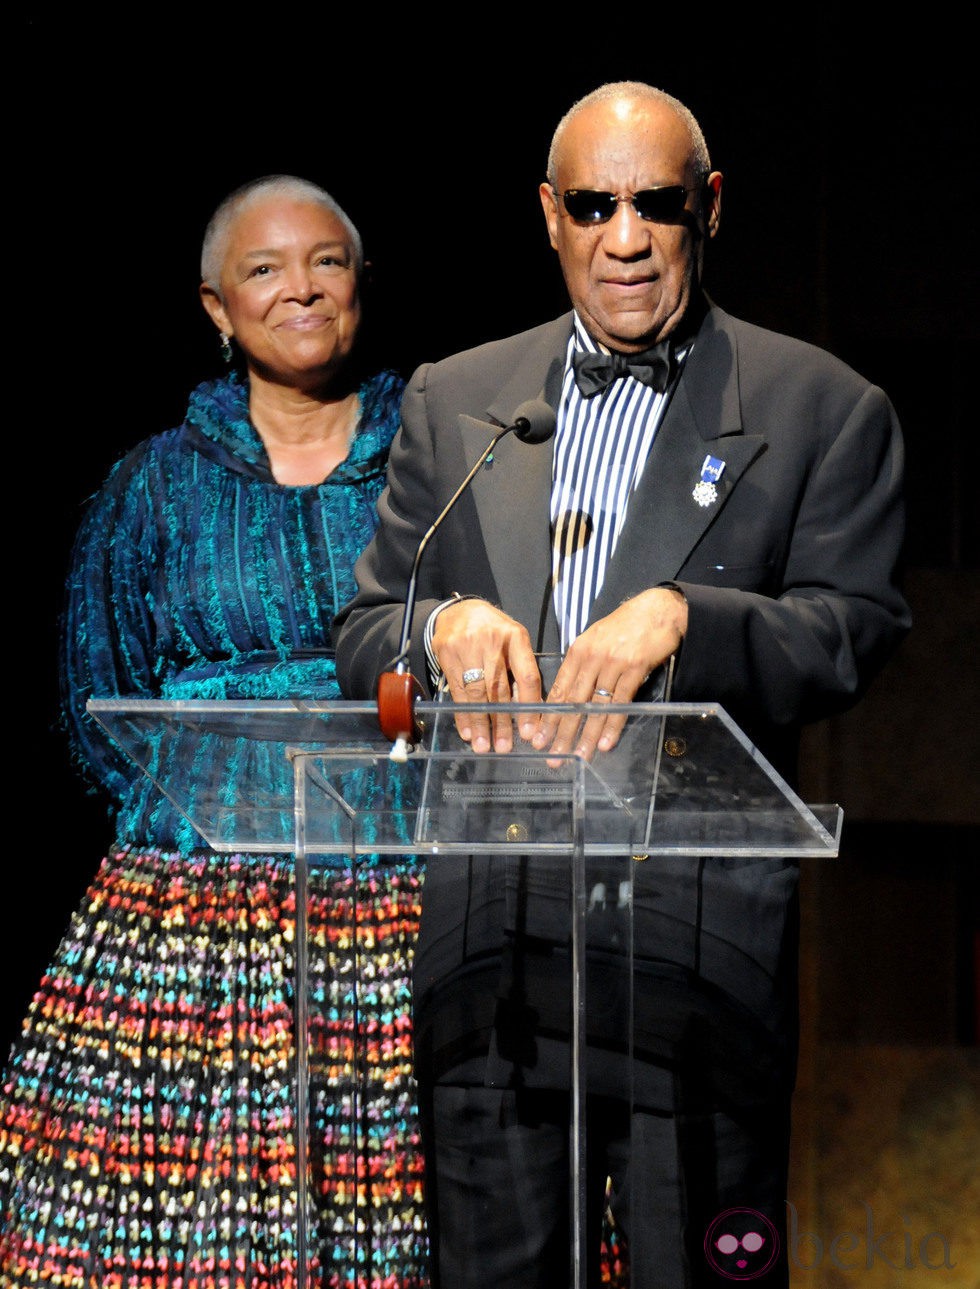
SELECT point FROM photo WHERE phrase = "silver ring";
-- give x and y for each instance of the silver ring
(472, 674)
(603, 693)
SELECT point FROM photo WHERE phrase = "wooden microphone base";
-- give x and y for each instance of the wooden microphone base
(397, 694)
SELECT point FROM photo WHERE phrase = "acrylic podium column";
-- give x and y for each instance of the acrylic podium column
(564, 839)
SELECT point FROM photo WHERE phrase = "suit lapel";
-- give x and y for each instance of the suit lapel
(704, 417)
(512, 491)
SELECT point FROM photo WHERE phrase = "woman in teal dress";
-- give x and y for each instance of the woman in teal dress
(147, 1109)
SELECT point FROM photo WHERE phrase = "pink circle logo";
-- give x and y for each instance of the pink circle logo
(741, 1244)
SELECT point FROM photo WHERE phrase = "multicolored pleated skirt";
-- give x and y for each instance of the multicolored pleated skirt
(147, 1113)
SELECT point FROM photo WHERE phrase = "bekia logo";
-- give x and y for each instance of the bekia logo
(741, 1244)
(868, 1244)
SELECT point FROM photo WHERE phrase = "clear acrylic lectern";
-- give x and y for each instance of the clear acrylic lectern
(319, 781)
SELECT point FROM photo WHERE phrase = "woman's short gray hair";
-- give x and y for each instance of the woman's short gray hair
(216, 234)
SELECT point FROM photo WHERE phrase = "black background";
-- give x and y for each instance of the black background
(848, 219)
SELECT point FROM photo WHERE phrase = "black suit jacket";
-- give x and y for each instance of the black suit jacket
(794, 604)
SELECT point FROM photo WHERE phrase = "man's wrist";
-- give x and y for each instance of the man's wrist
(678, 592)
(435, 671)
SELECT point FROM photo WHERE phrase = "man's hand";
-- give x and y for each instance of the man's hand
(473, 636)
(608, 663)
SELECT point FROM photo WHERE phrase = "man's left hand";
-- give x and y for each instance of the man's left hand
(608, 663)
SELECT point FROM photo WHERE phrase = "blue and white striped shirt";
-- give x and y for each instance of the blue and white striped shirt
(601, 447)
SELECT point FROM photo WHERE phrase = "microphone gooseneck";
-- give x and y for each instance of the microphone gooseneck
(534, 422)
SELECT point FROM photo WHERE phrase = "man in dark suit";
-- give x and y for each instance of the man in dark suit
(718, 499)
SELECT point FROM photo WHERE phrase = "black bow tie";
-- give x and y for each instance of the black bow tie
(654, 367)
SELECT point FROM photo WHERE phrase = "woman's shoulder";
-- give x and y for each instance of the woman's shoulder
(381, 396)
(137, 475)
(130, 469)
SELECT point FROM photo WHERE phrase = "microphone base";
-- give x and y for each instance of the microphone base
(397, 694)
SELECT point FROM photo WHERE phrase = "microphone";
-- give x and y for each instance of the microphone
(534, 422)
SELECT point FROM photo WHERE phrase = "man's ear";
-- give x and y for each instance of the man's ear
(712, 202)
(549, 204)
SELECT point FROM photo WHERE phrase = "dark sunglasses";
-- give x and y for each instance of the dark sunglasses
(658, 205)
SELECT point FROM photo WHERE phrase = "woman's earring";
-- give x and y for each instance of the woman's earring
(226, 350)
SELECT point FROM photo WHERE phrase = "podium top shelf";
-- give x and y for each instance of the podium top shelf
(267, 775)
